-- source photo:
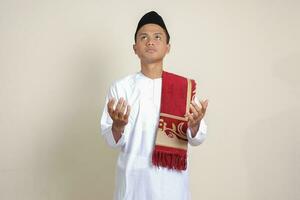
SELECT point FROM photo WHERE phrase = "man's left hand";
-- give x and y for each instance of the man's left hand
(196, 115)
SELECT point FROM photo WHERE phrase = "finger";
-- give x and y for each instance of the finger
(196, 106)
(190, 119)
(127, 112)
(200, 110)
(122, 109)
(204, 105)
(111, 101)
(110, 105)
(195, 113)
(119, 105)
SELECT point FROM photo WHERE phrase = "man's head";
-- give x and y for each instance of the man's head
(151, 39)
(152, 18)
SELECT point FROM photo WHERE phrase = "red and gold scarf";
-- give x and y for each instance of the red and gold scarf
(171, 143)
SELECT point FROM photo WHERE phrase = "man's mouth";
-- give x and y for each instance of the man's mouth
(150, 50)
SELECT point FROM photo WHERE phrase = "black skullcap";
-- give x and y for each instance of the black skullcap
(152, 18)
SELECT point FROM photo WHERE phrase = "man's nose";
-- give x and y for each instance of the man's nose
(150, 41)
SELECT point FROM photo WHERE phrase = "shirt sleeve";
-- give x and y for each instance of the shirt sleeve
(106, 121)
(200, 135)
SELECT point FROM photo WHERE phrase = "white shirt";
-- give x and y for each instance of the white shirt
(136, 177)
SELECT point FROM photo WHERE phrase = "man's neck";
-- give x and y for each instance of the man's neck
(152, 70)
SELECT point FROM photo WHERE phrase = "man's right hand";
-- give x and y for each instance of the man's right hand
(120, 119)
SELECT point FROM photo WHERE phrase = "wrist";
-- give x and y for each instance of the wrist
(117, 129)
(194, 130)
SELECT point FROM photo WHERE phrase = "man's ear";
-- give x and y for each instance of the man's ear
(134, 48)
(168, 47)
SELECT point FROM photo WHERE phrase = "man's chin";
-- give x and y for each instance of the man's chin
(149, 61)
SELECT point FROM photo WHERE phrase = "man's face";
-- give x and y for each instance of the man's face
(151, 44)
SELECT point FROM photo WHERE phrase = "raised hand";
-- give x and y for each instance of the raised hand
(196, 115)
(118, 115)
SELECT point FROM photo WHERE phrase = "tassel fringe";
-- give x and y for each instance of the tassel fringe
(169, 157)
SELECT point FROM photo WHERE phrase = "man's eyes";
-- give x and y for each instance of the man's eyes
(156, 37)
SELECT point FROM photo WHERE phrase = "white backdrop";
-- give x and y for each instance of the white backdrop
(57, 59)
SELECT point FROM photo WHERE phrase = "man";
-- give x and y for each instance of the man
(152, 116)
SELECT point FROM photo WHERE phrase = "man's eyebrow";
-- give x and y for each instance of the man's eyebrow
(142, 34)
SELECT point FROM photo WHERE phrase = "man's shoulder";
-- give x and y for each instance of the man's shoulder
(125, 80)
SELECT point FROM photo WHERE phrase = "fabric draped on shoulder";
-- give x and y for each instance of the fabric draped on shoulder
(171, 142)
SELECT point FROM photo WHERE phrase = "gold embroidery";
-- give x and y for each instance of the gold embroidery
(174, 131)
(163, 140)
(173, 117)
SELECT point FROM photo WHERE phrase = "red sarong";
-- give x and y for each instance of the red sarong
(171, 143)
